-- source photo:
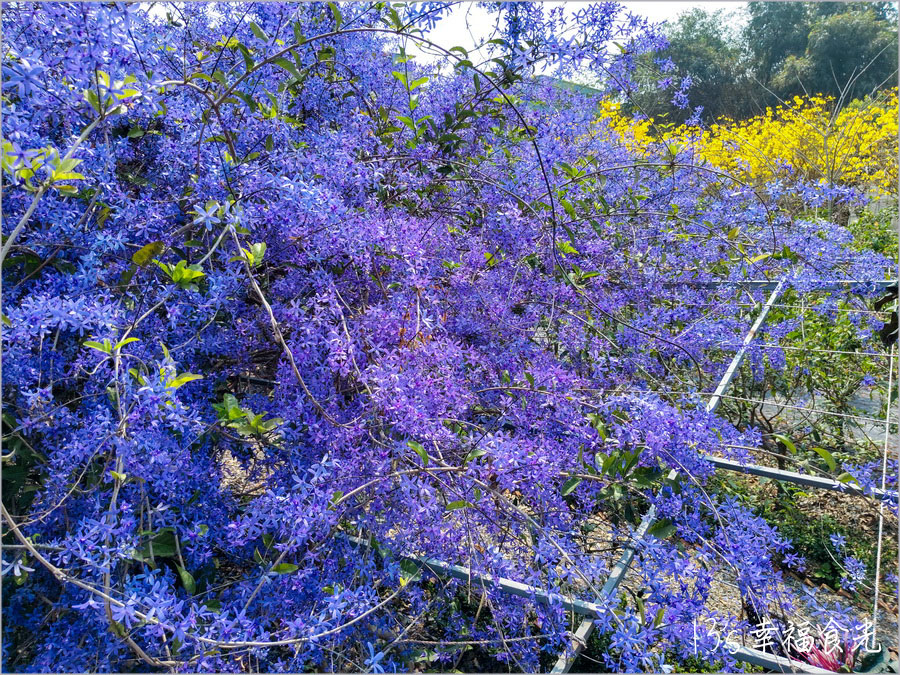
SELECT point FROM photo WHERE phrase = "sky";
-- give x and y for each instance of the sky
(467, 23)
(667, 11)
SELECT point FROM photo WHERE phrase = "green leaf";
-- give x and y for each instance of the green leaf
(289, 67)
(182, 379)
(258, 252)
(566, 247)
(188, 580)
(847, 478)
(67, 166)
(658, 619)
(633, 458)
(642, 610)
(411, 570)
(258, 32)
(106, 347)
(475, 454)
(829, 460)
(570, 485)
(213, 605)
(598, 424)
(246, 98)
(395, 21)
(147, 252)
(608, 463)
(163, 545)
(459, 504)
(91, 97)
(121, 477)
(126, 341)
(298, 33)
(335, 498)
(787, 442)
(325, 54)
(336, 13)
(401, 77)
(875, 662)
(248, 59)
(285, 568)
(419, 450)
(268, 425)
(662, 529)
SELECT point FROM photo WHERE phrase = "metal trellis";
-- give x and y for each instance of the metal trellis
(566, 660)
(591, 611)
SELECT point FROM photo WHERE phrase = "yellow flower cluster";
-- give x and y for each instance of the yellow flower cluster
(856, 146)
(636, 134)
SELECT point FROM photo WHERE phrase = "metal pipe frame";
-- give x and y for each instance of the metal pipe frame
(820, 482)
(592, 611)
(539, 595)
(765, 285)
(566, 660)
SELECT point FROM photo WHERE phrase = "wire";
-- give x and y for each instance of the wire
(812, 410)
(887, 435)
(737, 398)
(773, 345)
(805, 308)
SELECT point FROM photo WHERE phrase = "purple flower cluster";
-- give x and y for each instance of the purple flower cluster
(300, 287)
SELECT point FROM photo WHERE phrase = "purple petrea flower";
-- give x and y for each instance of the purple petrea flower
(207, 216)
(17, 567)
(795, 561)
(24, 76)
(855, 573)
(696, 117)
(373, 661)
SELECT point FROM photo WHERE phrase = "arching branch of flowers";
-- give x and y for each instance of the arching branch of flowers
(522, 202)
(23, 221)
(215, 103)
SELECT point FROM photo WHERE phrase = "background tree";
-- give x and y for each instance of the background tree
(774, 31)
(853, 53)
(704, 47)
(741, 62)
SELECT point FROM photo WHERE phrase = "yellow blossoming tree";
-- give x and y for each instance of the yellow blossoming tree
(806, 137)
